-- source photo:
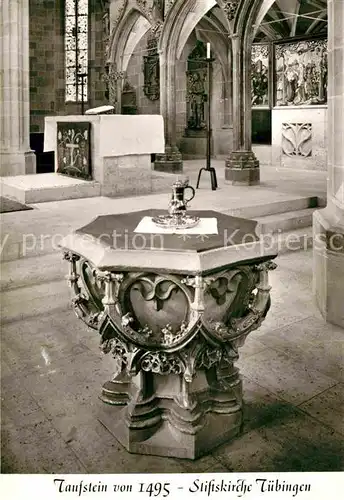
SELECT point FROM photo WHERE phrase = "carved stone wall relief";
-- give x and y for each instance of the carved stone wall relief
(260, 75)
(151, 69)
(301, 73)
(106, 28)
(297, 139)
(196, 91)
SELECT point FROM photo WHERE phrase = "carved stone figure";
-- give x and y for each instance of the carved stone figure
(196, 97)
(196, 88)
(151, 70)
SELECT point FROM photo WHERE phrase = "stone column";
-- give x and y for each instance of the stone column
(328, 224)
(171, 160)
(242, 166)
(16, 158)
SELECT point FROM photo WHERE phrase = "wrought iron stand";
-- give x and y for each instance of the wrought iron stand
(82, 76)
(208, 167)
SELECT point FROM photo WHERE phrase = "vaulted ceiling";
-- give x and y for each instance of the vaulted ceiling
(288, 18)
(284, 19)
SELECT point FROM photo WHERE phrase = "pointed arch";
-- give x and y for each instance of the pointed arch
(192, 19)
(132, 27)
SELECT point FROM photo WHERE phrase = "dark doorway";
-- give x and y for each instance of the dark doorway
(261, 126)
(45, 161)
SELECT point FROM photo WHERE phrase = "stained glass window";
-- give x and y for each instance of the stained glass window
(76, 49)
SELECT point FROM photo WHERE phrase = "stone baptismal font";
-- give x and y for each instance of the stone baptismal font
(173, 297)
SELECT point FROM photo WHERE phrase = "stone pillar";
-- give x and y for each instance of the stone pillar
(242, 166)
(16, 158)
(328, 224)
(171, 160)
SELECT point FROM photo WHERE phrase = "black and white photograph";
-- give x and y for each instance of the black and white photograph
(172, 249)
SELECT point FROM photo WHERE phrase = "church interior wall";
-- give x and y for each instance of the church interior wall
(192, 147)
(135, 77)
(47, 75)
(221, 128)
(181, 97)
(299, 137)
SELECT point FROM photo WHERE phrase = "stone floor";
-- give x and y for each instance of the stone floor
(52, 369)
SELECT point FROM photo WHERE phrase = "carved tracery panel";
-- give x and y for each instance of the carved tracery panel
(297, 139)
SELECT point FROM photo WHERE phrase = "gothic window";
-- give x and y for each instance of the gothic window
(76, 50)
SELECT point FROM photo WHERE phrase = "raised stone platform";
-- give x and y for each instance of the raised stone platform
(56, 187)
(47, 187)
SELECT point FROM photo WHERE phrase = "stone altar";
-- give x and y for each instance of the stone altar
(172, 310)
(121, 148)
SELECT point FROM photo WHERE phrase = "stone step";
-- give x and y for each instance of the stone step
(275, 207)
(29, 189)
(38, 188)
(295, 240)
(32, 271)
(285, 221)
(34, 300)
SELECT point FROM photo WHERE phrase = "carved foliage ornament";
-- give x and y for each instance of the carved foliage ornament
(153, 10)
(297, 139)
(230, 8)
(168, 323)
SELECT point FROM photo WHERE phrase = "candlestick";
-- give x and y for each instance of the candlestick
(208, 167)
